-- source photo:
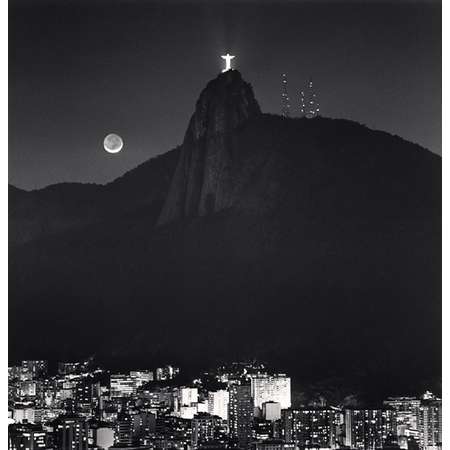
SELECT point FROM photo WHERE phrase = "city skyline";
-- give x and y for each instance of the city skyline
(85, 405)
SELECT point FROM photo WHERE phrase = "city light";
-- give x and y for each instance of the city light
(247, 406)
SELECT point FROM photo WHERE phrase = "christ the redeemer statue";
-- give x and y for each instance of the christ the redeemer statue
(227, 59)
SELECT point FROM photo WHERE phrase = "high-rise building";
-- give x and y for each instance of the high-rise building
(407, 418)
(285, 104)
(205, 428)
(309, 103)
(71, 433)
(187, 396)
(218, 403)
(430, 424)
(311, 427)
(122, 386)
(240, 413)
(369, 428)
(124, 430)
(271, 388)
(144, 423)
(407, 409)
(86, 394)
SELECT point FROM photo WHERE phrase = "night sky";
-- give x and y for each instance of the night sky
(81, 69)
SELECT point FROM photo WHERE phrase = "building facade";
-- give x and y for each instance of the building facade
(369, 428)
(123, 386)
(430, 424)
(71, 433)
(271, 388)
(311, 427)
(218, 403)
(240, 413)
(26, 436)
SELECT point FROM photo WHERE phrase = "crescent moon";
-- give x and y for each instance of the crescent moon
(113, 143)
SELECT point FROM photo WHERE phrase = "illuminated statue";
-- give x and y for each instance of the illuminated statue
(227, 59)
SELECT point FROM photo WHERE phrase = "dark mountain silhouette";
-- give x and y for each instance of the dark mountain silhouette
(313, 244)
(208, 176)
(70, 206)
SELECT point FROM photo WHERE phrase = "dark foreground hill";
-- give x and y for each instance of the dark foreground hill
(313, 244)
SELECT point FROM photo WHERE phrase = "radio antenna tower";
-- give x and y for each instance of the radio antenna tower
(285, 106)
(309, 103)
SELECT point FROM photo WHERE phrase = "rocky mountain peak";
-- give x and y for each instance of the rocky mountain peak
(202, 181)
(224, 104)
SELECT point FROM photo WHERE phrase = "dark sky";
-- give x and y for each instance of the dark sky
(80, 69)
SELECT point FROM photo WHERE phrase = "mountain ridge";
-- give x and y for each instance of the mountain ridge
(115, 185)
(330, 246)
(149, 160)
